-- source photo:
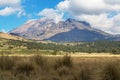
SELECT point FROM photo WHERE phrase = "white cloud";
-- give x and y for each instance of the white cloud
(112, 1)
(3, 30)
(52, 14)
(9, 2)
(89, 6)
(63, 5)
(8, 11)
(102, 22)
(116, 24)
(94, 11)
(9, 7)
(98, 21)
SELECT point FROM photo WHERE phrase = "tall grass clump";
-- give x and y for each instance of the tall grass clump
(83, 73)
(7, 63)
(7, 75)
(40, 61)
(24, 67)
(65, 61)
(62, 71)
(111, 71)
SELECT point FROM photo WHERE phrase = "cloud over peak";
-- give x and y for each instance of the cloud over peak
(56, 15)
(101, 14)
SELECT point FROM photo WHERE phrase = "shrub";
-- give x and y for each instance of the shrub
(54, 53)
(114, 51)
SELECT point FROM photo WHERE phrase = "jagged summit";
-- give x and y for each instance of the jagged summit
(83, 22)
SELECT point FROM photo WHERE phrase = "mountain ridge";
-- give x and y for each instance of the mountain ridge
(47, 29)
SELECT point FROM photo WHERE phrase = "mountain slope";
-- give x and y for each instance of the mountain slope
(8, 36)
(69, 30)
(77, 35)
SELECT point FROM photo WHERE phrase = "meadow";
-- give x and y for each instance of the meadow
(38, 67)
(34, 60)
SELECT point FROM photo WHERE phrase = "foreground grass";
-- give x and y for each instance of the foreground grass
(59, 68)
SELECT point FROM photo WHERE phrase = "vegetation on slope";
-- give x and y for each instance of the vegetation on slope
(17, 46)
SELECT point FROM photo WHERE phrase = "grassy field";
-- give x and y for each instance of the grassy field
(74, 67)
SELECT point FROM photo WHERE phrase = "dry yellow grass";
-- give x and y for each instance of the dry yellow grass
(8, 36)
(76, 55)
(50, 67)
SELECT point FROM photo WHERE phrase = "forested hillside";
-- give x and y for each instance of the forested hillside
(12, 46)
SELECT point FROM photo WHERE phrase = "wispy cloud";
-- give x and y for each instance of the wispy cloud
(10, 7)
(56, 15)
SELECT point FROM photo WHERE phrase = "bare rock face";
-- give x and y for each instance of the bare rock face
(69, 30)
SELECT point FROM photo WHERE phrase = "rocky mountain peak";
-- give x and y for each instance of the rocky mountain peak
(46, 29)
(70, 20)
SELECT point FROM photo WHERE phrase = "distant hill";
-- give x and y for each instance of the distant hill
(13, 44)
(8, 36)
(65, 31)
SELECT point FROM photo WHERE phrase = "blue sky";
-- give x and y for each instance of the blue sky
(31, 8)
(101, 14)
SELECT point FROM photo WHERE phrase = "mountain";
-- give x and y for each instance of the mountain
(66, 31)
(8, 36)
(84, 35)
